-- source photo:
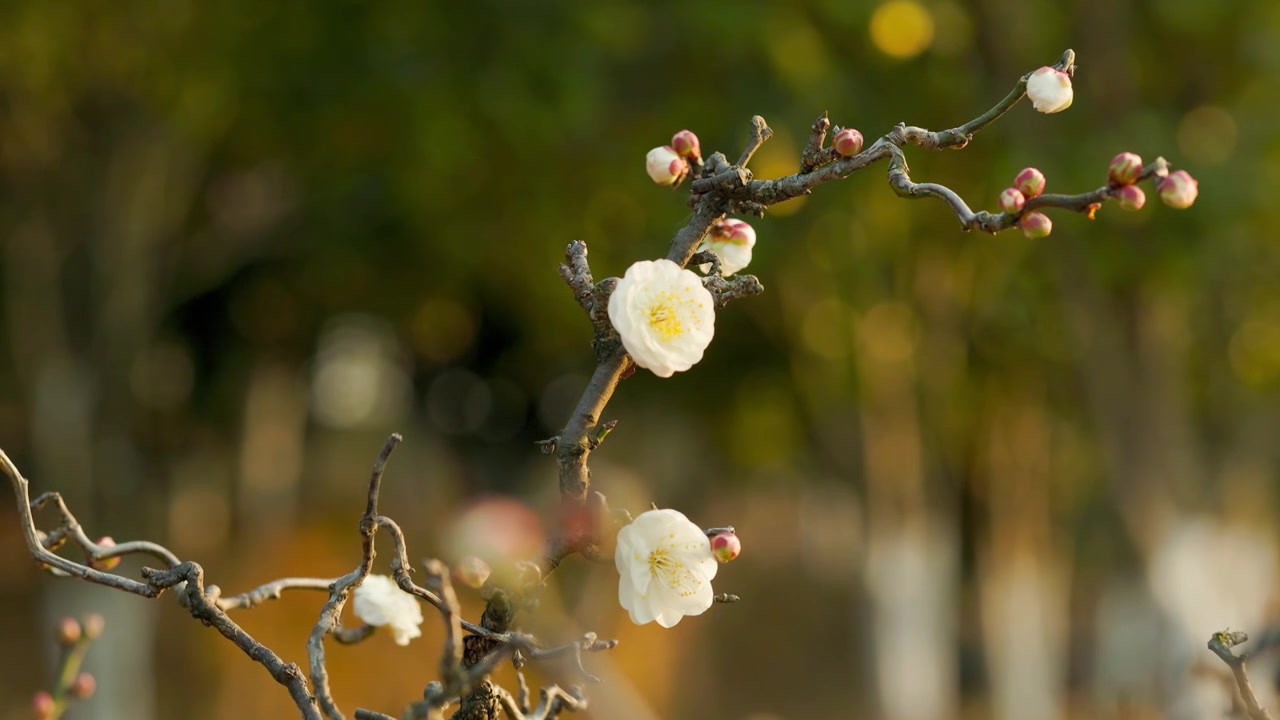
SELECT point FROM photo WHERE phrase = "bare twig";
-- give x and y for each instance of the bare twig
(207, 612)
(1220, 644)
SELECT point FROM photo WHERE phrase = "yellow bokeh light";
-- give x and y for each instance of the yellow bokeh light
(901, 29)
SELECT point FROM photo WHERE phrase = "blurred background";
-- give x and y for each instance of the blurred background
(976, 477)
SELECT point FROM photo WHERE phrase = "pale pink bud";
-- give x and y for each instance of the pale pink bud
(1011, 200)
(44, 705)
(94, 625)
(685, 143)
(471, 571)
(1036, 225)
(106, 542)
(82, 687)
(847, 142)
(1124, 169)
(1179, 189)
(1050, 90)
(1029, 182)
(68, 632)
(1130, 197)
(726, 546)
(665, 166)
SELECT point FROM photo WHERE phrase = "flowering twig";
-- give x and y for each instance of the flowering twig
(1220, 644)
(73, 637)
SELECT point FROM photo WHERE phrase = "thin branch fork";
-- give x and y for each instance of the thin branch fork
(1221, 644)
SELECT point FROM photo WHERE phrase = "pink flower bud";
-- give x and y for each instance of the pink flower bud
(1130, 197)
(82, 687)
(726, 546)
(1036, 225)
(1179, 189)
(94, 625)
(685, 143)
(847, 142)
(1011, 200)
(110, 563)
(665, 166)
(44, 705)
(68, 632)
(1029, 182)
(471, 571)
(1124, 169)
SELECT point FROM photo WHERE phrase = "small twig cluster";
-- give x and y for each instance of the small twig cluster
(73, 638)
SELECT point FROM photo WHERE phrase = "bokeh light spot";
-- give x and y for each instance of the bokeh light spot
(901, 29)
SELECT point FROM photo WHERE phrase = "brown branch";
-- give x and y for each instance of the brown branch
(813, 155)
(270, 591)
(207, 612)
(760, 132)
(1220, 644)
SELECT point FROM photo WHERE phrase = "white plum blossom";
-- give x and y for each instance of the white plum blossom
(665, 166)
(665, 567)
(379, 601)
(664, 315)
(731, 240)
(1050, 90)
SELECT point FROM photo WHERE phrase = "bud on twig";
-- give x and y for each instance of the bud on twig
(847, 142)
(44, 706)
(1050, 90)
(110, 563)
(1124, 169)
(1036, 225)
(82, 687)
(1029, 182)
(68, 632)
(1179, 189)
(93, 625)
(665, 167)
(1011, 200)
(726, 546)
(685, 143)
(1130, 197)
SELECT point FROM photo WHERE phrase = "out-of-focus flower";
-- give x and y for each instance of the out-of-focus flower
(1029, 182)
(471, 571)
(68, 631)
(1049, 90)
(664, 315)
(731, 240)
(1036, 225)
(83, 686)
(44, 706)
(665, 166)
(1179, 189)
(1124, 169)
(685, 143)
(665, 568)
(1012, 200)
(847, 142)
(379, 601)
(726, 546)
(1130, 197)
(94, 624)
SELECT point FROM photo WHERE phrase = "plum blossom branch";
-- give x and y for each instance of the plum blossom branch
(1220, 644)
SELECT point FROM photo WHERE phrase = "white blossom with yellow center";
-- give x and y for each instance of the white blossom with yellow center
(665, 567)
(380, 601)
(664, 315)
